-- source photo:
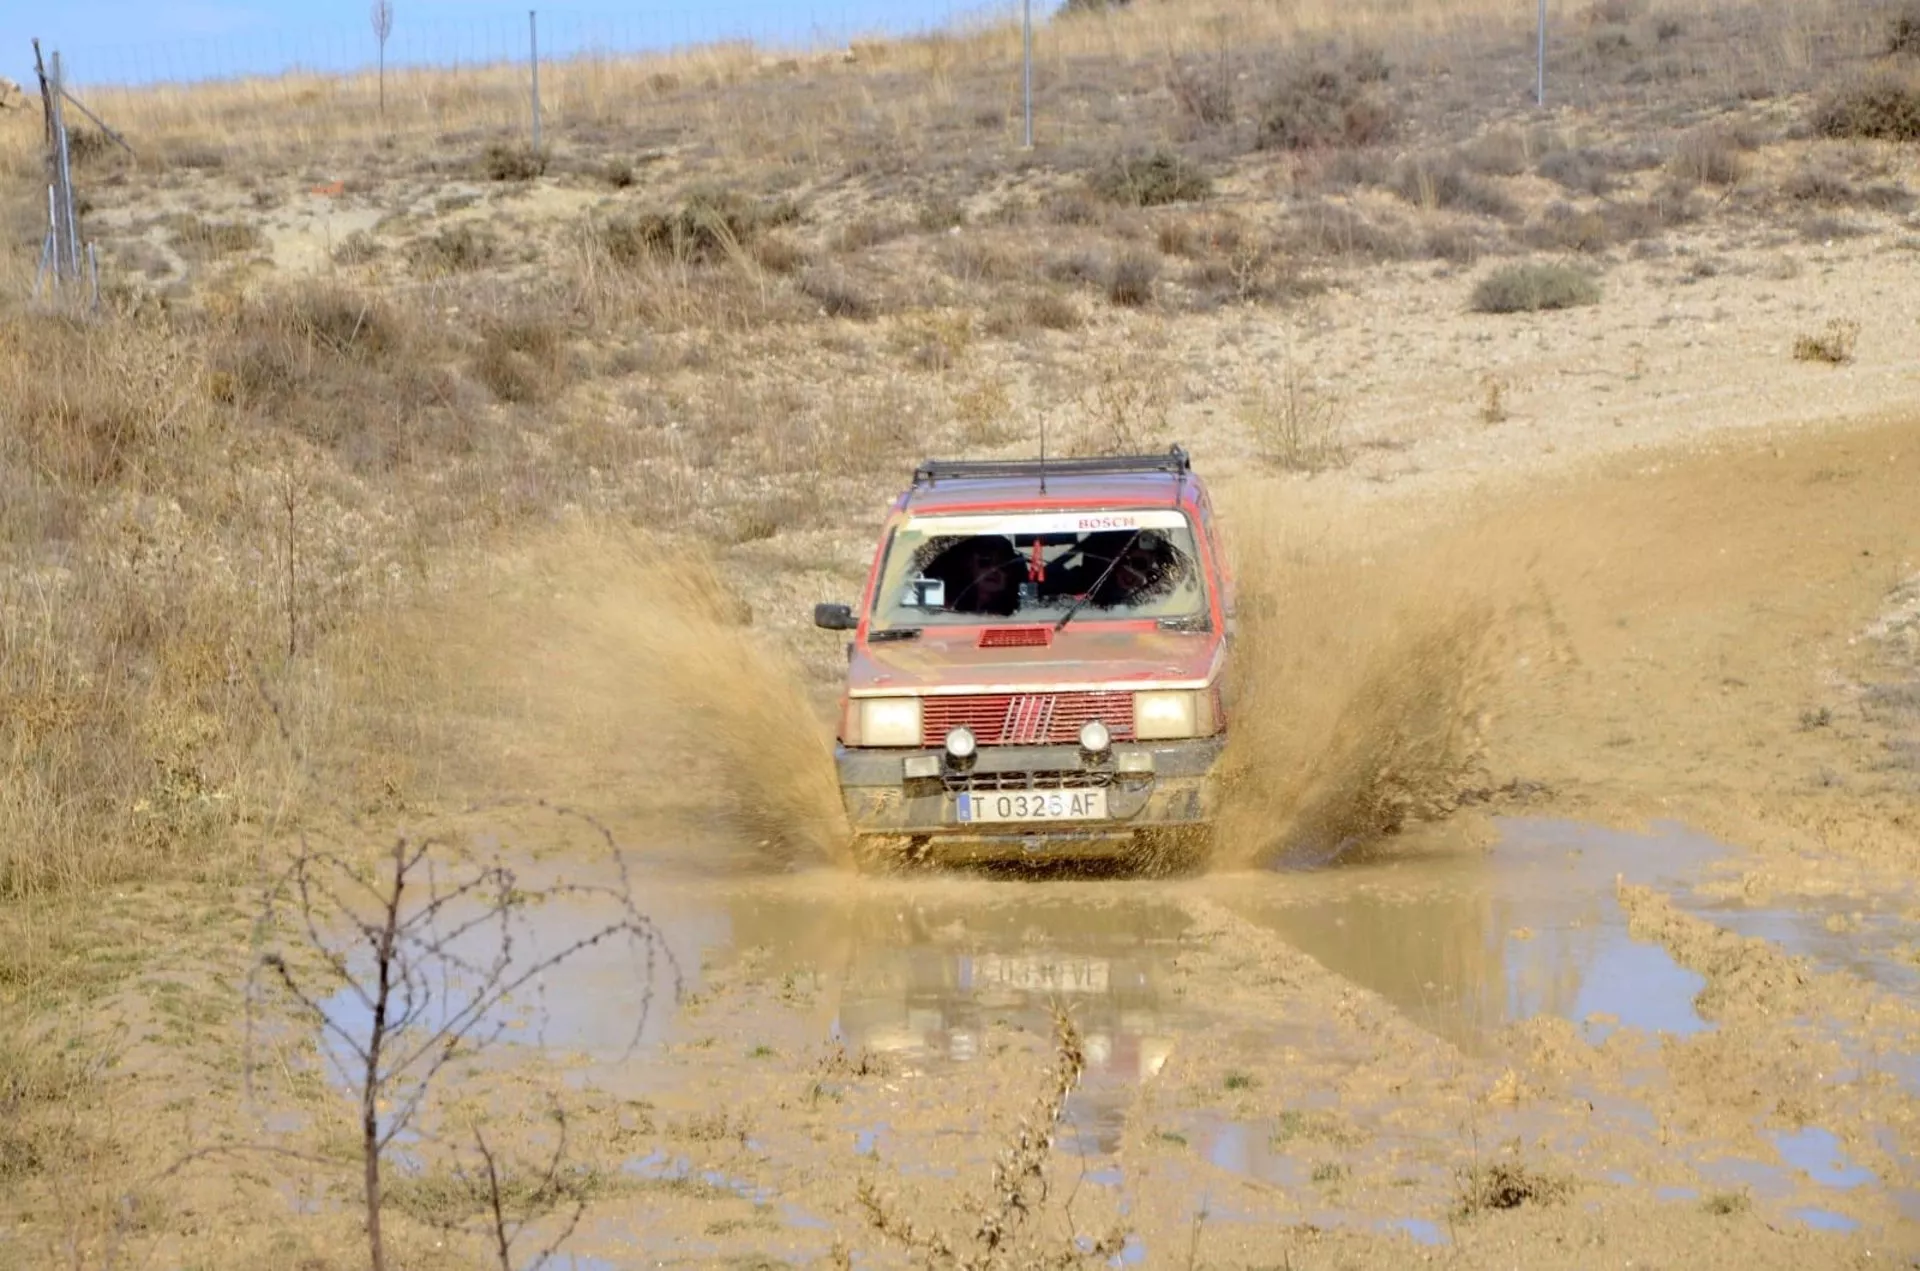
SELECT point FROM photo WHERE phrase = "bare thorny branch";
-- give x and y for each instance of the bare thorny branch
(1019, 1187)
(504, 1229)
(424, 948)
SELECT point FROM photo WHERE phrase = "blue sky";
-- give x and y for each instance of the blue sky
(115, 41)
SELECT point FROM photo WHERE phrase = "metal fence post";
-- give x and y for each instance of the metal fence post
(1026, 67)
(66, 229)
(533, 48)
(1540, 84)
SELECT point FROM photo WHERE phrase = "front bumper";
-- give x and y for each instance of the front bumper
(1149, 786)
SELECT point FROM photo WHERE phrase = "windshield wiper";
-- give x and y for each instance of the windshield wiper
(1099, 582)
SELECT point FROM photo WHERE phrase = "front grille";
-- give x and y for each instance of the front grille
(1061, 779)
(1025, 719)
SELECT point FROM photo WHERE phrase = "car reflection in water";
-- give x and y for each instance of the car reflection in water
(929, 980)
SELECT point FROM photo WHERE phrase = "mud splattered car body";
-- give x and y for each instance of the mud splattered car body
(1037, 661)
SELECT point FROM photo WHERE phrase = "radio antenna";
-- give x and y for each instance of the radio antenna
(1043, 454)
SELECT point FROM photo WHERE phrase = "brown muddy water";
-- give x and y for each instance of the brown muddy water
(1205, 1096)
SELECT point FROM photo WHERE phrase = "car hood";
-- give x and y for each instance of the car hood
(1083, 658)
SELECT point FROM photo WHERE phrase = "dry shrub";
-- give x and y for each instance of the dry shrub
(354, 374)
(1561, 227)
(81, 408)
(520, 358)
(1833, 346)
(1152, 180)
(1507, 1185)
(1442, 181)
(1581, 171)
(1671, 205)
(1532, 285)
(706, 227)
(1203, 91)
(512, 161)
(1130, 403)
(974, 258)
(124, 718)
(1826, 184)
(1501, 152)
(933, 340)
(1075, 207)
(1130, 277)
(1883, 107)
(1236, 266)
(201, 240)
(1296, 427)
(357, 248)
(836, 295)
(1457, 243)
(1045, 310)
(1323, 228)
(1323, 100)
(456, 249)
(1709, 156)
(778, 254)
(939, 213)
(864, 232)
(1903, 30)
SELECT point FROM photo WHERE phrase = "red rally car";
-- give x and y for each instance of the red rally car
(1036, 666)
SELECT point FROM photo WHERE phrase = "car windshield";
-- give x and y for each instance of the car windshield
(1037, 566)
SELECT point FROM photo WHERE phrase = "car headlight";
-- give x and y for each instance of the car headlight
(889, 721)
(1165, 714)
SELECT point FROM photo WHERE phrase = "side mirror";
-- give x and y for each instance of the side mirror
(834, 617)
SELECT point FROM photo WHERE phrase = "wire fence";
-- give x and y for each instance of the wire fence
(492, 39)
(69, 270)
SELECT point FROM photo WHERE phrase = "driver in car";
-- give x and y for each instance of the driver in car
(1122, 568)
(986, 579)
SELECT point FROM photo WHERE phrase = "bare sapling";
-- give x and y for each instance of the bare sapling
(381, 16)
(408, 960)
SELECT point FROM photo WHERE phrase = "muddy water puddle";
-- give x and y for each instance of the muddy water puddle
(1463, 941)
(930, 974)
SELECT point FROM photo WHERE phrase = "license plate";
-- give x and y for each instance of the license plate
(1063, 974)
(1033, 805)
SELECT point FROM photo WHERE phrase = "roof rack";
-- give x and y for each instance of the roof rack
(932, 471)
